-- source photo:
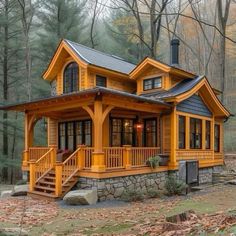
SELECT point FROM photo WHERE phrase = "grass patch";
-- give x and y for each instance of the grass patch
(199, 207)
(106, 229)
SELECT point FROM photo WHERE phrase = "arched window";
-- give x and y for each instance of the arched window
(71, 78)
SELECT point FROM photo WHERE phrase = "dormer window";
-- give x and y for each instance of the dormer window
(152, 83)
(71, 78)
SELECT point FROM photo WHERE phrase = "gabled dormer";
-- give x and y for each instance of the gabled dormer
(75, 67)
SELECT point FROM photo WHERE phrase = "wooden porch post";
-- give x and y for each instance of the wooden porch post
(32, 176)
(58, 171)
(81, 157)
(173, 141)
(127, 157)
(98, 163)
(26, 151)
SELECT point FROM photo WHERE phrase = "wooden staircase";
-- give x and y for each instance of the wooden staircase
(56, 180)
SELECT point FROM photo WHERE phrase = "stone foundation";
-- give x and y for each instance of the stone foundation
(113, 188)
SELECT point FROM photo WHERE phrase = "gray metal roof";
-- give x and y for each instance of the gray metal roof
(94, 57)
(180, 88)
(23, 105)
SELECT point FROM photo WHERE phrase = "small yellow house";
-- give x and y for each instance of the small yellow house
(106, 117)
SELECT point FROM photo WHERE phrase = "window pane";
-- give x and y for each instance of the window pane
(128, 132)
(181, 132)
(150, 133)
(62, 136)
(208, 134)
(101, 81)
(71, 78)
(147, 84)
(70, 134)
(157, 82)
(217, 138)
(79, 133)
(87, 132)
(195, 133)
(116, 132)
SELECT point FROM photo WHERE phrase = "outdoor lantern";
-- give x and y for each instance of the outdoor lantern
(139, 126)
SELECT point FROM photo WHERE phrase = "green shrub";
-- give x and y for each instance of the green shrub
(153, 162)
(21, 181)
(174, 186)
(132, 196)
(153, 193)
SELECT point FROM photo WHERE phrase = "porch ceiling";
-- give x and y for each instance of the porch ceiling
(73, 101)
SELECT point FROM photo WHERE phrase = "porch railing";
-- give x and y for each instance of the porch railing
(88, 157)
(140, 155)
(114, 157)
(37, 152)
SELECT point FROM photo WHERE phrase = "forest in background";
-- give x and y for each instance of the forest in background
(30, 31)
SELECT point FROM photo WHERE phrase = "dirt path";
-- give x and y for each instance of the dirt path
(117, 218)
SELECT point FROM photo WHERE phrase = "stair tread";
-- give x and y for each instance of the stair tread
(45, 188)
(46, 182)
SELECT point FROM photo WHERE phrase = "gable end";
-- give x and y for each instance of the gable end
(194, 105)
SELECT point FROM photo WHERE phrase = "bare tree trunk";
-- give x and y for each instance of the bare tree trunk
(5, 91)
(222, 19)
(26, 20)
(92, 24)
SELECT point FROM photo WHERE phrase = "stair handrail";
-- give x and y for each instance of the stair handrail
(43, 156)
(41, 171)
(66, 172)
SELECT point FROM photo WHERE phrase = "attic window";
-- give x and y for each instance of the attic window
(101, 81)
(152, 83)
(71, 78)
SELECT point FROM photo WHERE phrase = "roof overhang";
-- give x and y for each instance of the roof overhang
(146, 62)
(57, 61)
(208, 95)
(75, 99)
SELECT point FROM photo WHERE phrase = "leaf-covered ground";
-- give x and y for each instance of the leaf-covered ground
(213, 212)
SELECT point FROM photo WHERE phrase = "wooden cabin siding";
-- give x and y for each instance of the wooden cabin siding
(194, 105)
(52, 132)
(82, 78)
(166, 133)
(112, 82)
(59, 84)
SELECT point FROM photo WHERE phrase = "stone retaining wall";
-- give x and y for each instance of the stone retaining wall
(113, 188)
(230, 161)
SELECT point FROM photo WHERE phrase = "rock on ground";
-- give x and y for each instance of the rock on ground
(6, 193)
(20, 190)
(81, 197)
(13, 232)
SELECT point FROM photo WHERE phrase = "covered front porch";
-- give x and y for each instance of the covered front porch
(105, 134)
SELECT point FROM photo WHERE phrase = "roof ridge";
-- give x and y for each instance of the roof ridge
(92, 49)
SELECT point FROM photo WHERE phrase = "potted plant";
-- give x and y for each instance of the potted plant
(153, 162)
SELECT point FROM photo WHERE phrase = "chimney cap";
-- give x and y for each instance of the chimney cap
(174, 42)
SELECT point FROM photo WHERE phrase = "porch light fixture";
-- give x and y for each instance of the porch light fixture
(138, 125)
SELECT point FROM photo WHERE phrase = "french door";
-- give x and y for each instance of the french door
(73, 133)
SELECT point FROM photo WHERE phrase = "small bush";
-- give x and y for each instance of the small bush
(153, 162)
(21, 181)
(132, 196)
(153, 193)
(174, 186)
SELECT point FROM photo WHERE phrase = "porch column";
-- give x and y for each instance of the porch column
(98, 164)
(28, 137)
(173, 137)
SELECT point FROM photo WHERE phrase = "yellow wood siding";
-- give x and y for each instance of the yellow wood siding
(166, 134)
(52, 132)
